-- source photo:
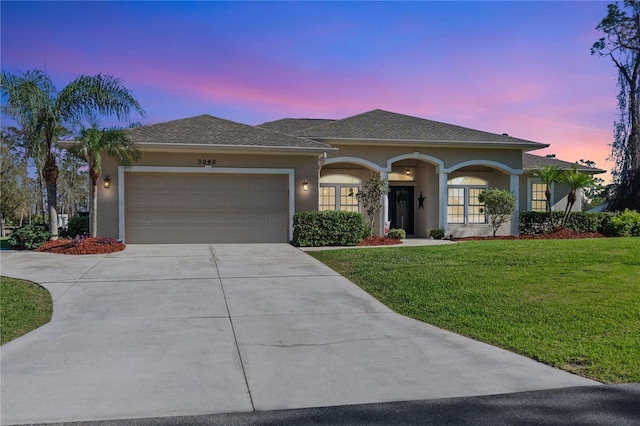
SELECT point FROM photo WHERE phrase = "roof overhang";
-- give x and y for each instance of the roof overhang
(526, 146)
(236, 149)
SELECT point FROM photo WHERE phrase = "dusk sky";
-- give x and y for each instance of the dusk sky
(522, 68)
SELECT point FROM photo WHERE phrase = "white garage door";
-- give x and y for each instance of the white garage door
(206, 208)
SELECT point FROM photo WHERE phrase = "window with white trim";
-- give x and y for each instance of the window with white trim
(537, 196)
(337, 192)
(463, 205)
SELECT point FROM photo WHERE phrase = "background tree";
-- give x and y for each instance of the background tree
(595, 195)
(73, 185)
(621, 44)
(92, 145)
(45, 114)
(13, 178)
(499, 204)
(370, 197)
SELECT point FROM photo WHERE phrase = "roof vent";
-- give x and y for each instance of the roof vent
(505, 134)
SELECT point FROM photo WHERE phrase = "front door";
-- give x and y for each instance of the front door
(401, 208)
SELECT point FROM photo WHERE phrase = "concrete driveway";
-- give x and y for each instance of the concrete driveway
(162, 330)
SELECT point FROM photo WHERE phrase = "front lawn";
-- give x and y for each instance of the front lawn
(24, 306)
(573, 304)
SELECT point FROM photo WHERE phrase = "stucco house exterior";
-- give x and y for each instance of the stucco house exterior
(208, 180)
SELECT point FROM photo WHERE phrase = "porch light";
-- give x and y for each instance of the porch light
(305, 185)
(107, 182)
(408, 172)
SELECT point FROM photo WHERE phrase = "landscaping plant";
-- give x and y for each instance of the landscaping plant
(499, 204)
(370, 197)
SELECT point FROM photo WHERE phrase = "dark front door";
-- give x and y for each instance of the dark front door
(401, 208)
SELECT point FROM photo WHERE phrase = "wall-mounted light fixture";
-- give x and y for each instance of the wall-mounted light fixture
(305, 185)
(408, 172)
(107, 182)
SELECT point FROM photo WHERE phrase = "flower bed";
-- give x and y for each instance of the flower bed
(82, 245)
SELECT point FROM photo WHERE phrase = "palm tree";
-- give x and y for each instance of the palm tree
(576, 180)
(548, 175)
(45, 114)
(93, 144)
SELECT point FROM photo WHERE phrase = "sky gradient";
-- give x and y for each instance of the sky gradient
(522, 68)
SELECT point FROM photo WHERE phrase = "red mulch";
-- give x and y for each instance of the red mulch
(97, 245)
(379, 241)
(559, 234)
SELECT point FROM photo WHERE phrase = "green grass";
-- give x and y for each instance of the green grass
(572, 304)
(24, 306)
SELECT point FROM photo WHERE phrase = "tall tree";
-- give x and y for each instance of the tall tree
(45, 113)
(73, 187)
(576, 181)
(92, 145)
(621, 44)
(548, 175)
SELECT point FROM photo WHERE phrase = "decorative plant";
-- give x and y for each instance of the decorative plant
(437, 233)
(397, 234)
(499, 204)
(370, 197)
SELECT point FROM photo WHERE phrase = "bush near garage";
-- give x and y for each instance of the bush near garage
(328, 228)
(78, 225)
(29, 236)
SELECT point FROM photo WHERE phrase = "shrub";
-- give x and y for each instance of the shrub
(540, 223)
(78, 225)
(500, 204)
(29, 237)
(397, 234)
(625, 224)
(328, 228)
(437, 233)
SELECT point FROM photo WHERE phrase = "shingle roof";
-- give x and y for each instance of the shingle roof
(209, 130)
(390, 126)
(532, 162)
(291, 125)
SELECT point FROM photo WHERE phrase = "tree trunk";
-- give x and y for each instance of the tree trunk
(93, 218)
(50, 175)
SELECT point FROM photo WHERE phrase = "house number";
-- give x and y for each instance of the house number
(206, 162)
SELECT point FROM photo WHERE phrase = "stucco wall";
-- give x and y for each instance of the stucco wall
(305, 168)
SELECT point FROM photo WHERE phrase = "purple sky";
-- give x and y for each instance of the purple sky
(521, 68)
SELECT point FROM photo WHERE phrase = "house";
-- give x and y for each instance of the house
(208, 180)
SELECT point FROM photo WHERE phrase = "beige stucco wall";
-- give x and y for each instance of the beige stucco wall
(560, 194)
(305, 168)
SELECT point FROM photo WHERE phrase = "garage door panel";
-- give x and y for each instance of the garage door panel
(203, 208)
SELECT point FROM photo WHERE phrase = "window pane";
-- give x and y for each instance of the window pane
(339, 179)
(467, 180)
(348, 202)
(538, 197)
(327, 198)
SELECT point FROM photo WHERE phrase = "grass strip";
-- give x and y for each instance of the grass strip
(24, 306)
(572, 304)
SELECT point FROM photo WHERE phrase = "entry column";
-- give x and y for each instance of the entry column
(385, 202)
(444, 177)
(515, 189)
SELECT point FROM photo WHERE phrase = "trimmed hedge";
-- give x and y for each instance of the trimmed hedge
(328, 228)
(613, 224)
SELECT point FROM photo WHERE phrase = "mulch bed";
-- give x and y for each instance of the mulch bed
(93, 245)
(379, 241)
(559, 234)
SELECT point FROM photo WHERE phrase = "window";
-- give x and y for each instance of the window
(462, 200)
(337, 192)
(537, 197)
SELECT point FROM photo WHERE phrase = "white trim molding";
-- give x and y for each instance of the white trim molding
(489, 163)
(355, 160)
(417, 156)
(200, 170)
